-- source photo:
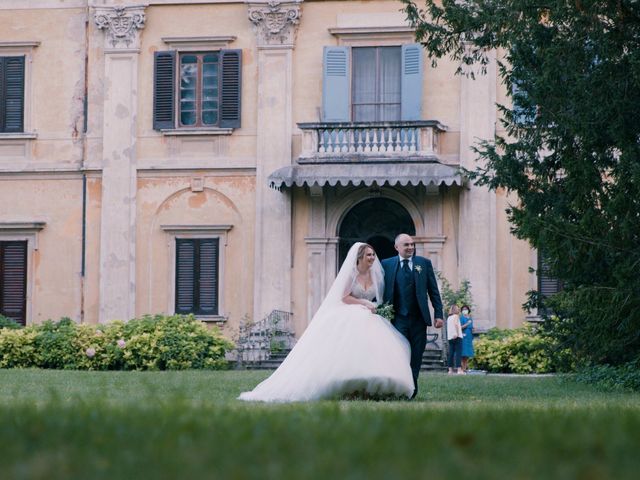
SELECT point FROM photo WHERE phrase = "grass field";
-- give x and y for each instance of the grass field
(188, 425)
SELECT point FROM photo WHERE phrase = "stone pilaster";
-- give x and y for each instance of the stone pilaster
(275, 26)
(477, 259)
(122, 26)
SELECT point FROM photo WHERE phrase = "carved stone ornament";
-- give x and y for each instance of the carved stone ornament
(121, 23)
(275, 22)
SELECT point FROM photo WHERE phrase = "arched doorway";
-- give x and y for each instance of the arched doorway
(375, 221)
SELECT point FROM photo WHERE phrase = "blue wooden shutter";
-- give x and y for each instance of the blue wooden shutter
(12, 94)
(231, 88)
(335, 85)
(411, 96)
(13, 280)
(164, 81)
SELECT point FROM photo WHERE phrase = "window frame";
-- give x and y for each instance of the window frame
(201, 44)
(26, 49)
(3, 246)
(199, 101)
(197, 264)
(337, 81)
(378, 105)
(29, 232)
(176, 232)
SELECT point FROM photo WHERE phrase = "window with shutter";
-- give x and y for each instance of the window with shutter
(197, 89)
(197, 276)
(12, 94)
(547, 284)
(372, 84)
(13, 280)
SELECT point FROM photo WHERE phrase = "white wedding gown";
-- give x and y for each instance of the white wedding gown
(345, 349)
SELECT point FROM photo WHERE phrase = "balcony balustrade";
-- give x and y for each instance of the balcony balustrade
(381, 141)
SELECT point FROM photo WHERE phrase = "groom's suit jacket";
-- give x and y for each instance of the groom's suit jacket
(425, 282)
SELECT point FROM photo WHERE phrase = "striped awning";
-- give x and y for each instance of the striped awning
(392, 174)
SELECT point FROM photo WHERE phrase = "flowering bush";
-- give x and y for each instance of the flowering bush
(149, 343)
(521, 350)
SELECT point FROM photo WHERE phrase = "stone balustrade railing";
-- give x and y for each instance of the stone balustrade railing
(335, 139)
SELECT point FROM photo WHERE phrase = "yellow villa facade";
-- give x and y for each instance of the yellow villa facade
(218, 157)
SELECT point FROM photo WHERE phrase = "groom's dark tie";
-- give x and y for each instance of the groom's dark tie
(405, 267)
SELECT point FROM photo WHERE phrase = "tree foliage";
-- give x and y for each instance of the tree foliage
(571, 151)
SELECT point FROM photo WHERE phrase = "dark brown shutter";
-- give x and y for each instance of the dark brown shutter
(3, 94)
(185, 275)
(13, 280)
(164, 81)
(547, 285)
(208, 277)
(197, 276)
(12, 94)
(231, 88)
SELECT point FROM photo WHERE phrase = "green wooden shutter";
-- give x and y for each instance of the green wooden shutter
(185, 275)
(411, 85)
(336, 104)
(164, 81)
(12, 94)
(13, 280)
(208, 277)
(231, 88)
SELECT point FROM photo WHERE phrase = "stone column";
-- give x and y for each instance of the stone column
(477, 233)
(322, 248)
(275, 25)
(122, 26)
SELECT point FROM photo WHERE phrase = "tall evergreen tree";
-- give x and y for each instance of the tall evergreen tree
(571, 151)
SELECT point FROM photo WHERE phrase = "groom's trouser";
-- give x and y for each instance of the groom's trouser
(415, 330)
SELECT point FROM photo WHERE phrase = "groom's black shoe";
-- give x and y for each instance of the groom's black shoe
(415, 392)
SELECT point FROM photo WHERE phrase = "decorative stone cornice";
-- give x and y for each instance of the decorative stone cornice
(275, 22)
(122, 25)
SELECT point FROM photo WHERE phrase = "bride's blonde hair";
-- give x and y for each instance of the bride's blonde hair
(361, 250)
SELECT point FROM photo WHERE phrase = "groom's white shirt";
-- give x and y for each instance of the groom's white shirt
(410, 262)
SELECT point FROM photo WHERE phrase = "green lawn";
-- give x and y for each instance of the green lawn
(185, 425)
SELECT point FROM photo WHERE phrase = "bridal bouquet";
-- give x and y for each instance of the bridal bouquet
(385, 311)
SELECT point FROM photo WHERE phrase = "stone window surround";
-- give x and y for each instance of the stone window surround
(15, 48)
(21, 231)
(193, 232)
(373, 36)
(198, 44)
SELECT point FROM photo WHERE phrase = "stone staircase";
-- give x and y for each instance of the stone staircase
(432, 361)
(264, 345)
(271, 363)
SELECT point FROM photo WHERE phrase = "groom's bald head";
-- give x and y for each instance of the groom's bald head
(405, 245)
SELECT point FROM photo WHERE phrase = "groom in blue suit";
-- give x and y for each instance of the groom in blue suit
(409, 282)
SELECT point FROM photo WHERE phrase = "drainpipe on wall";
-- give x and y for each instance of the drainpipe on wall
(85, 110)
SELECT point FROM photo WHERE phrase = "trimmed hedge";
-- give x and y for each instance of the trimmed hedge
(8, 323)
(609, 378)
(521, 350)
(159, 342)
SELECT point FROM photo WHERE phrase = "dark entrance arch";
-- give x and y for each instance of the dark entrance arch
(375, 221)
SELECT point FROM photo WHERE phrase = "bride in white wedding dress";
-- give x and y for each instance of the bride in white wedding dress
(347, 348)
